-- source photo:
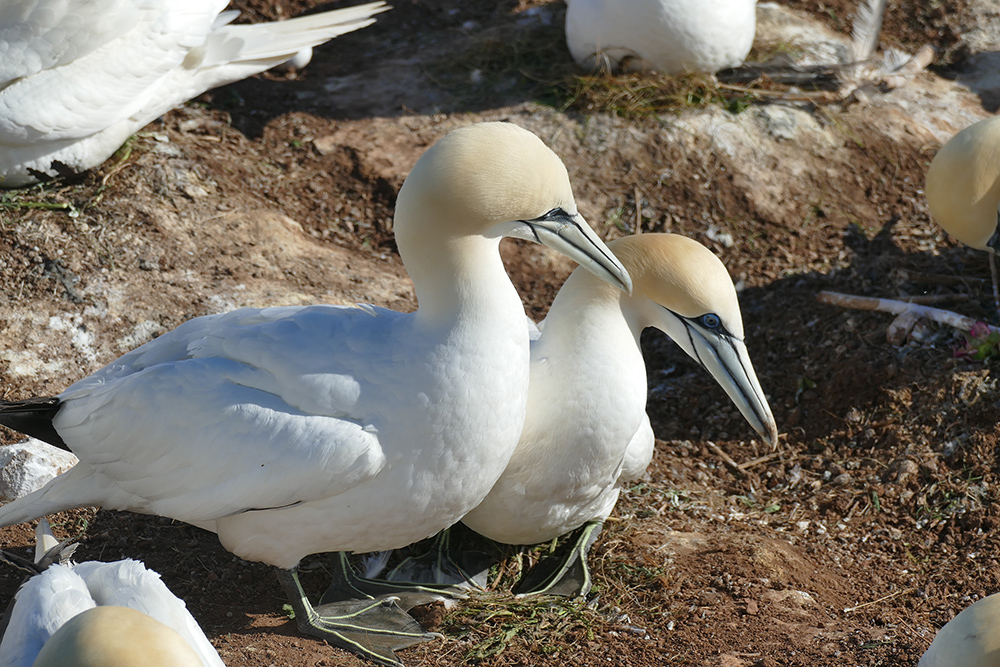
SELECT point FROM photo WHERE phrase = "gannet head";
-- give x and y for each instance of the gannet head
(497, 179)
(110, 636)
(970, 639)
(683, 289)
(963, 185)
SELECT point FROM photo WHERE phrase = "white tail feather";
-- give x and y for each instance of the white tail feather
(866, 29)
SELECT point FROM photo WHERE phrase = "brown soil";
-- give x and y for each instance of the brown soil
(872, 524)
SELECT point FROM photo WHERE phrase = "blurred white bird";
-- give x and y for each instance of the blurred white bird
(79, 78)
(971, 639)
(95, 614)
(300, 430)
(667, 36)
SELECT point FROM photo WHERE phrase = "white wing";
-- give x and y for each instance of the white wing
(639, 452)
(42, 34)
(42, 605)
(248, 410)
(118, 76)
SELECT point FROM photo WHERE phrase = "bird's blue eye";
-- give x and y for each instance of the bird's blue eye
(711, 320)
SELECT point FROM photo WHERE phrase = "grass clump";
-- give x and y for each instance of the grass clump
(508, 63)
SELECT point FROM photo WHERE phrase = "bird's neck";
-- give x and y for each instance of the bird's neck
(463, 281)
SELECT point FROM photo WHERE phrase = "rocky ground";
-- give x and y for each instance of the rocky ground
(871, 525)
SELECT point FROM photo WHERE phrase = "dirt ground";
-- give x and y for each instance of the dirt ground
(871, 525)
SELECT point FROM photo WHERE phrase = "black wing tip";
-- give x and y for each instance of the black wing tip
(33, 417)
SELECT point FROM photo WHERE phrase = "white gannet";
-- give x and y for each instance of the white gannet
(95, 614)
(971, 639)
(586, 432)
(299, 430)
(79, 78)
(963, 189)
(668, 36)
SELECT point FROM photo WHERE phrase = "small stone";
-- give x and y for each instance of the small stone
(28, 466)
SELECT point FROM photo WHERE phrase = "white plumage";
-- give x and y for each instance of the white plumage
(971, 639)
(586, 431)
(292, 431)
(668, 36)
(78, 78)
(47, 601)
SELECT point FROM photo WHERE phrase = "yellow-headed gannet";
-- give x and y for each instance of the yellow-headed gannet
(298, 430)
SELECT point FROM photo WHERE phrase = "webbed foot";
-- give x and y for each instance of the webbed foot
(434, 575)
(565, 574)
(374, 629)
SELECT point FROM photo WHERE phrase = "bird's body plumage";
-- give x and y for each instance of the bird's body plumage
(668, 36)
(77, 79)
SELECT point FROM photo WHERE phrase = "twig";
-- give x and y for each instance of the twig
(938, 315)
(762, 459)
(725, 457)
(848, 610)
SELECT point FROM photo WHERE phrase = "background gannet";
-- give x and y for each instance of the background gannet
(586, 432)
(298, 430)
(971, 639)
(78, 79)
(95, 614)
(963, 189)
(669, 36)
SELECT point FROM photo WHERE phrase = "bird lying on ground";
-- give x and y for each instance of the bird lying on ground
(95, 614)
(586, 433)
(78, 79)
(963, 190)
(667, 36)
(299, 430)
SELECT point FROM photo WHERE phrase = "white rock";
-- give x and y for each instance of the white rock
(27, 466)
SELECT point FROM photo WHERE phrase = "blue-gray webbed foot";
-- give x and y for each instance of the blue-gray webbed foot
(564, 573)
(437, 572)
(371, 628)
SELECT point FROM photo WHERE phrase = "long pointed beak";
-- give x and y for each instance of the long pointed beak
(570, 234)
(727, 359)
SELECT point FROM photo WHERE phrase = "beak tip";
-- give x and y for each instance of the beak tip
(627, 284)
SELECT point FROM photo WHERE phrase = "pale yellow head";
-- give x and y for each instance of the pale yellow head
(681, 288)
(480, 175)
(116, 637)
(963, 184)
(474, 186)
(680, 274)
